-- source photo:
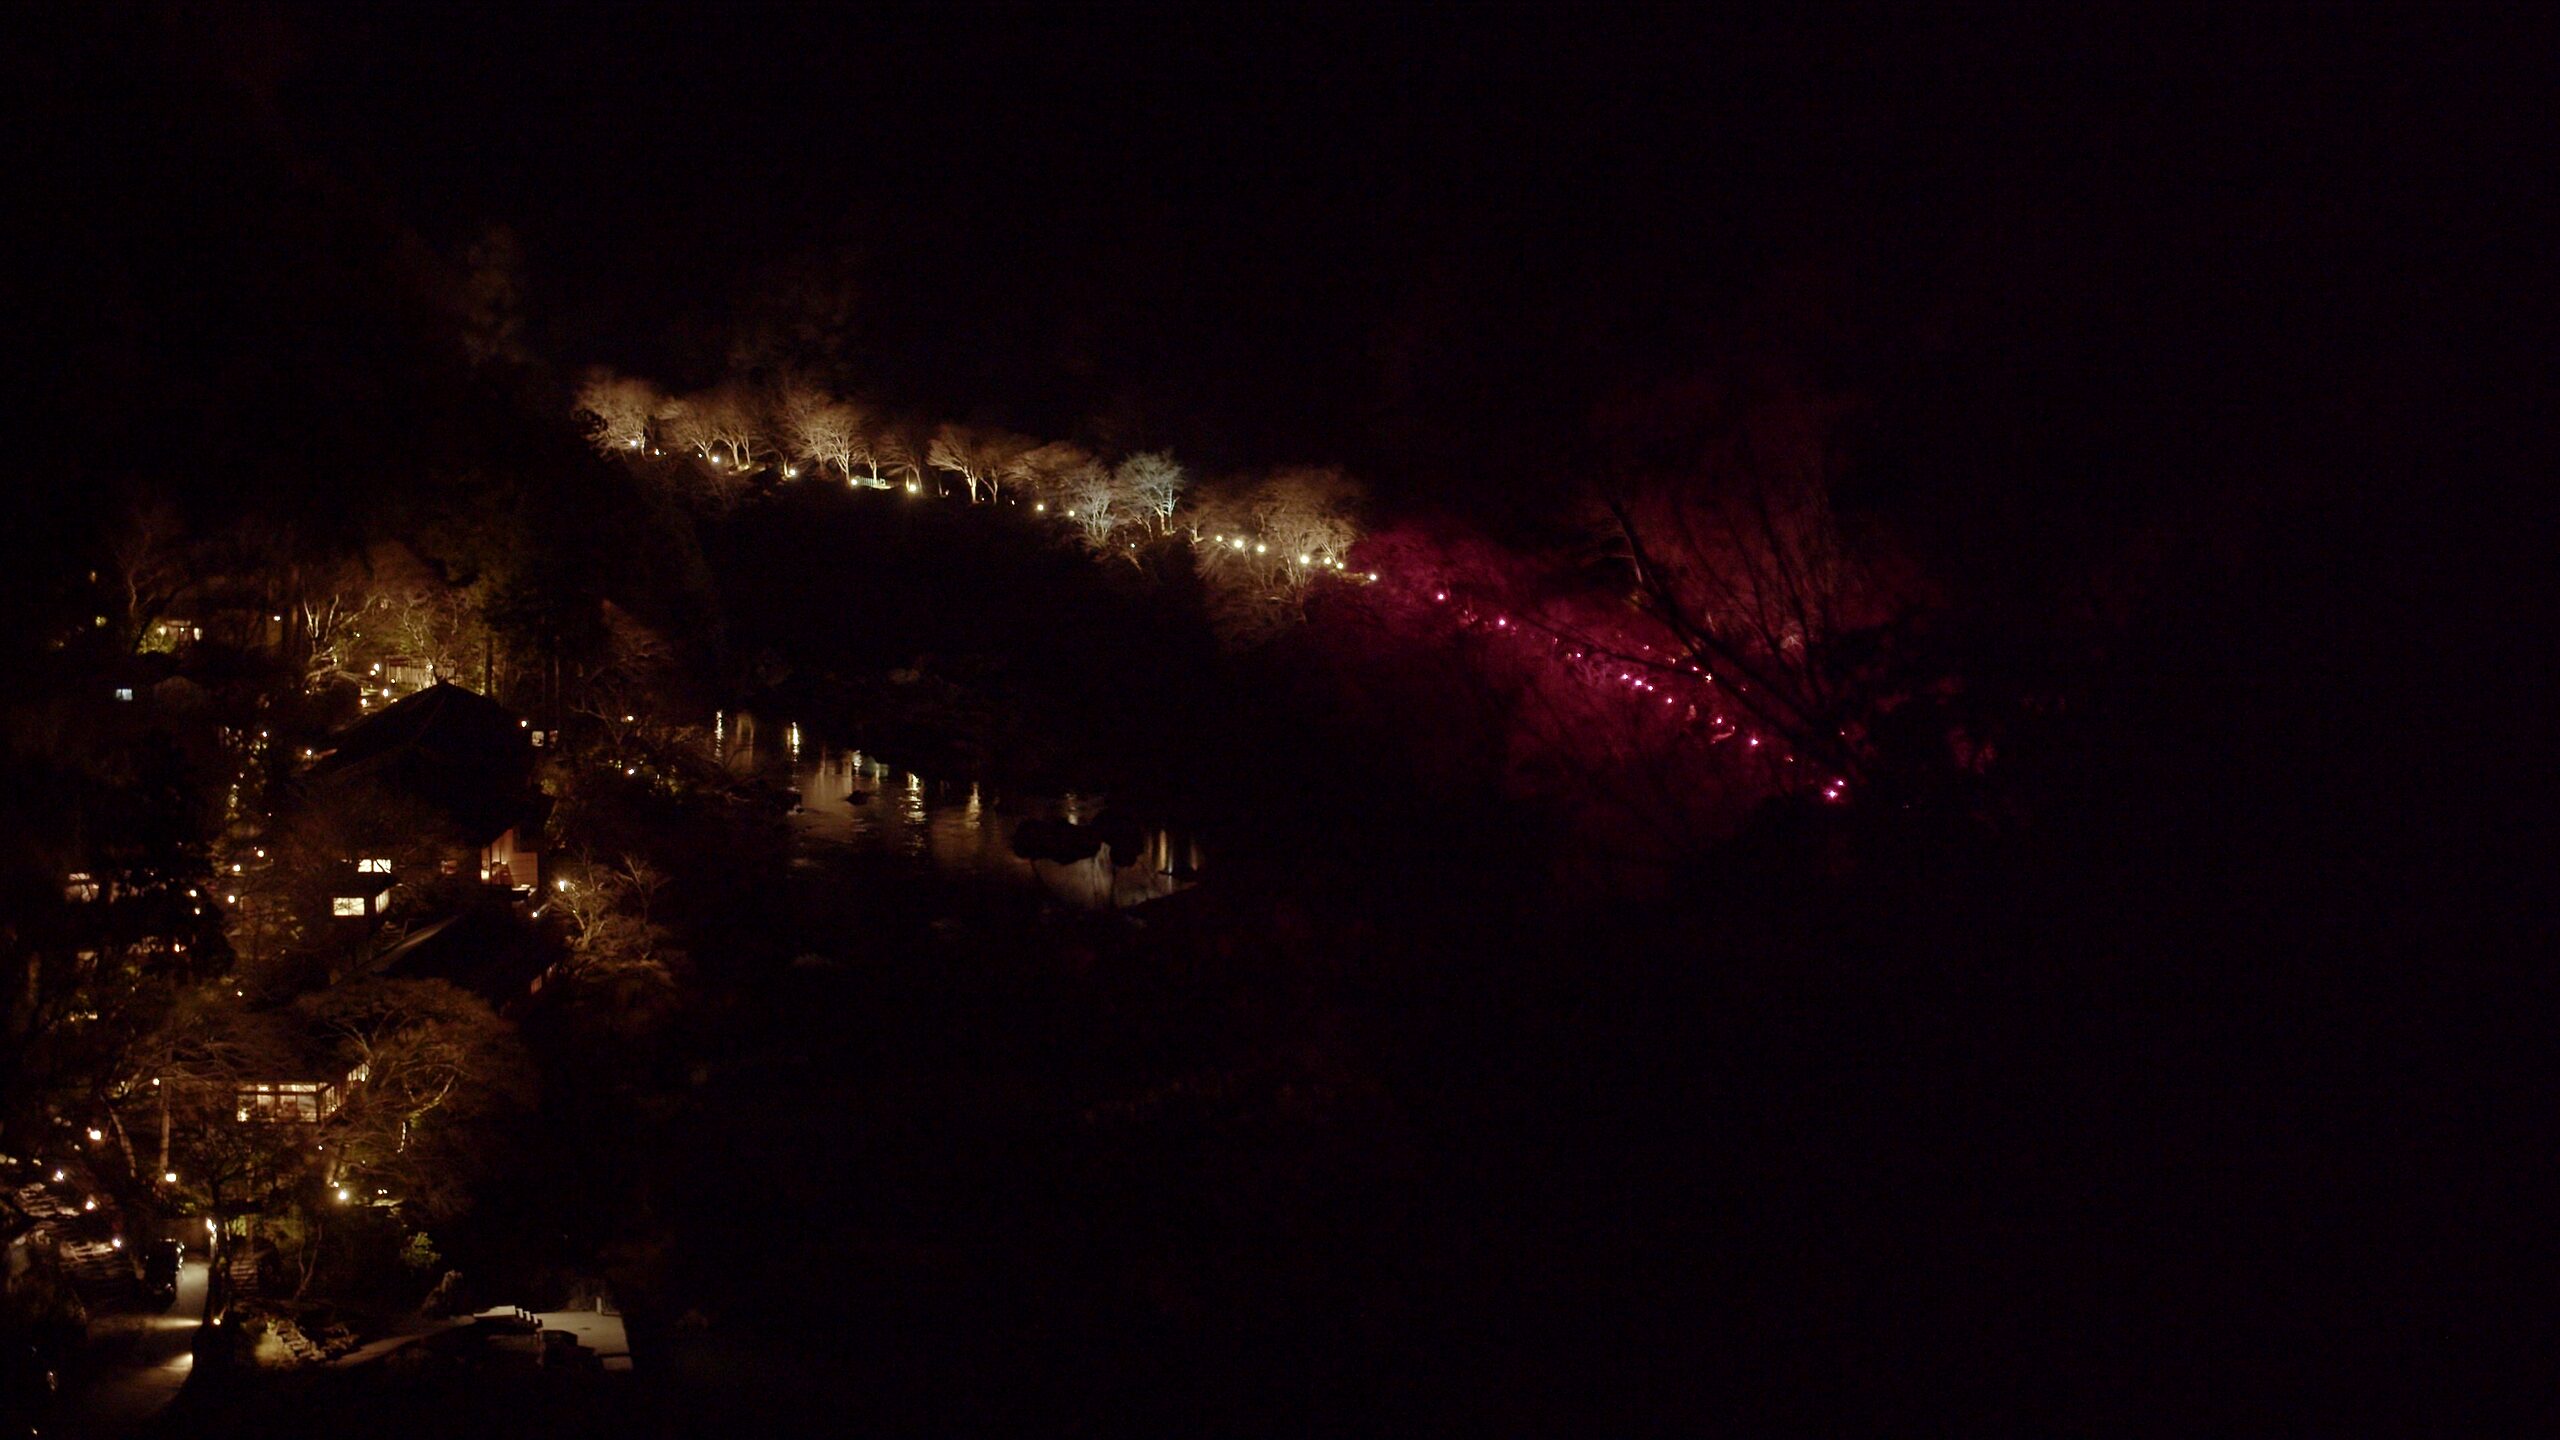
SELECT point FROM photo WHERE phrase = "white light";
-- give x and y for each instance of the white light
(634, 444)
(116, 1244)
(168, 1177)
(57, 1175)
(96, 1134)
(560, 885)
(342, 1194)
(1260, 549)
(1040, 505)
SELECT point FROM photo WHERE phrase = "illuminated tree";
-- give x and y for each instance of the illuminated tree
(416, 615)
(953, 450)
(1041, 473)
(1305, 517)
(823, 431)
(434, 1058)
(153, 567)
(893, 459)
(719, 426)
(1152, 484)
(618, 411)
(1094, 503)
(1721, 500)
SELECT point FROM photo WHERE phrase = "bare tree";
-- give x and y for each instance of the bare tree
(719, 426)
(824, 432)
(1721, 499)
(618, 411)
(1152, 484)
(1041, 473)
(432, 1057)
(153, 567)
(1305, 517)
(893, 459)
(953, 450)
(1093, 502)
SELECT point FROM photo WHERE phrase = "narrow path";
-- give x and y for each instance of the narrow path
(144, 1373)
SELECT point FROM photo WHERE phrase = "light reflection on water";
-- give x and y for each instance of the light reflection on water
(859, 802)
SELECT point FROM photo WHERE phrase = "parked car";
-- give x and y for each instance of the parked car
(160, 1272)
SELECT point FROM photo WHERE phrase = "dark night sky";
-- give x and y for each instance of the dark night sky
(2078, 245)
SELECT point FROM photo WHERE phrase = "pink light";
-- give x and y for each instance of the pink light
(1439, 594)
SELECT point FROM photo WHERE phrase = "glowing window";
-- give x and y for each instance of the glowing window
(347, 905)
(373, 867)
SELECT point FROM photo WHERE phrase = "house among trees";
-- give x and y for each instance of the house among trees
(306, 1101)
(360, 889)
(443, 777)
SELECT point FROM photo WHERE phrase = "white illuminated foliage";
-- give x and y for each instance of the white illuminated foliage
(825, 432)
(618, 410)
(1039, 475)
(1092, 497)
(1151, 483)
(893, 461)
(718, 426)
(981, 459)
(1306, 517)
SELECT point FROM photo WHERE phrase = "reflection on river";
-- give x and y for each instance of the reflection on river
(858, 802)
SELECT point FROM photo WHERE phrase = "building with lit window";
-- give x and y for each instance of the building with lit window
(459, 769)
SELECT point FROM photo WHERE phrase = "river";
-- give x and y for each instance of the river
(852, 801)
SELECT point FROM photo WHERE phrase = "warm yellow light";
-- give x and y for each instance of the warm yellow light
(1260, 549)
(1040, 505)
(168, 1177)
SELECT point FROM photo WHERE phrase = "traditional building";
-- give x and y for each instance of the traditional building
(459, 768)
